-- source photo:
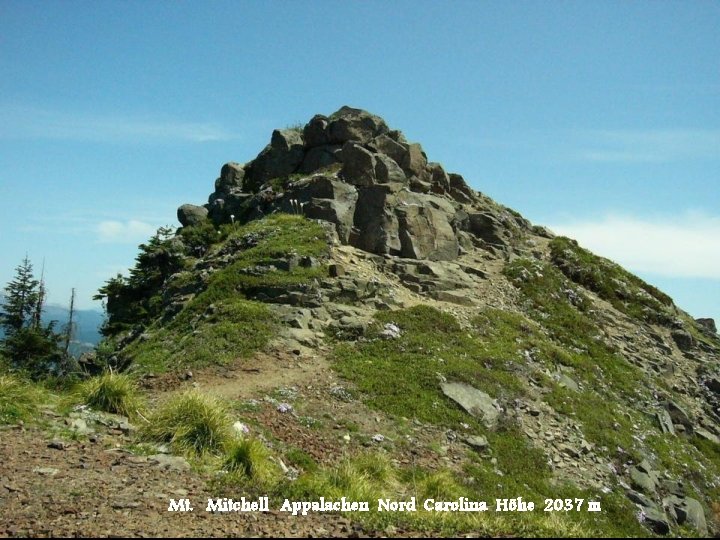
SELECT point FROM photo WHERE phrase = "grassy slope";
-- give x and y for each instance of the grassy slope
(499, 353)
(221, 323)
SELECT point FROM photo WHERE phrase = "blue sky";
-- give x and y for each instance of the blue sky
(600, 119)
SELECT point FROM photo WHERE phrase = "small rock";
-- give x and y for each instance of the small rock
(284, 408)
(474, 401)
(477, 441)
(80, 426)
(708, 436)
(121, 505)
(645, 481)
(174, 463)
(336, 270)
(46, 471)
(58, 445)
(665, 422)
(655, 520)
(391, 331)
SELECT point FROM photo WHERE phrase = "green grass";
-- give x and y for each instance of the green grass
(111, 392)
(236, 329)
(250, 462)
(402, 376)
(372, 476)
(606, 407)
(576, 341)
(282, 234)
(192, 423)
(200, 237)
(300, 459)
(362, 478)
(19, 399)
(222, 322)
(571, 326)
(625, 291)
(603, 421)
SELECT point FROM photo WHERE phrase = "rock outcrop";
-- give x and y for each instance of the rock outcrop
(597, 369)
(379, 190)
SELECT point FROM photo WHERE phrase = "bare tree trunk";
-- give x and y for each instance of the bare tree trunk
(69, 329)
(37, 316)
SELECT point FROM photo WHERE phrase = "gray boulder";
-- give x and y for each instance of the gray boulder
(389, 219)
(666, 424)
(683, 339)
(348, 124)
(319, 158)
(425, 233)
(231, 177)
(459, 190)
(189, 215)
(644, 478)
(488, 228)
(695, 515)
(396, 151)
(325, 198)
(375, 224)
(236, 203)
(687, 510)
(282, 157)
(708, 324)
(474, 401)
(358, 165)
(387, 170)
(440, 180)
(679, 415)
(414, 161)
(315, 131)
(656, 520)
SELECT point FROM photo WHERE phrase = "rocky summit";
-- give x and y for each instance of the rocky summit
(381, 192)
(375, 329)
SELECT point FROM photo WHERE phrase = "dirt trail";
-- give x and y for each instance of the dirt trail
(87, 489)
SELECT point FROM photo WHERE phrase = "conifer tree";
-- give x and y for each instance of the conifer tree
(21, 299)
(27, 344)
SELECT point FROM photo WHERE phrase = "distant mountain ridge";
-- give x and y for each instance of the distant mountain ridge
(87, 325)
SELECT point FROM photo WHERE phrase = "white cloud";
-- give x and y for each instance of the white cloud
(647, 146)
(681, 246)
(23, 122)
(124, 232)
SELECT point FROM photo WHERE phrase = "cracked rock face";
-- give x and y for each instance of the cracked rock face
(379, 190)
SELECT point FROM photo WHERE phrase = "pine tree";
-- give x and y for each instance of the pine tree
(133, 301)
(21, 299)
(27, 344)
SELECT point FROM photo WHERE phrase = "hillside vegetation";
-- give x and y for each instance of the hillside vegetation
(344, 318)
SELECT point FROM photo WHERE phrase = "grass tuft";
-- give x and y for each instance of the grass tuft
(111, 392)
(193, 423)
(19, 400)
(250, 459)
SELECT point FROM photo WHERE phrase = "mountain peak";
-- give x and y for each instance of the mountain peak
(341, 253)
(380, 191)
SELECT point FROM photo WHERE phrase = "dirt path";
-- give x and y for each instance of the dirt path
(87, 489)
